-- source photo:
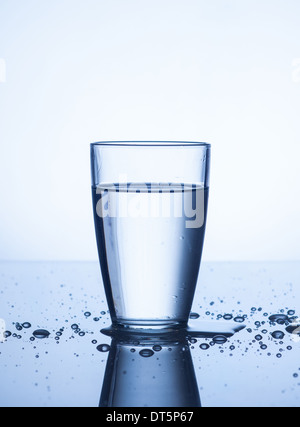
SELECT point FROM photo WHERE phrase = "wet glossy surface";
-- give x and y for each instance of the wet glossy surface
(53, 353)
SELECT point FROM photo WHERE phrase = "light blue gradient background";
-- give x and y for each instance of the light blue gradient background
(220, 71)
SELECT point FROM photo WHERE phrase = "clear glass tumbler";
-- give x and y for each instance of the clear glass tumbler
(150, 204)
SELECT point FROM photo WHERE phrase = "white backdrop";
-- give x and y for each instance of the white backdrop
(222, 71)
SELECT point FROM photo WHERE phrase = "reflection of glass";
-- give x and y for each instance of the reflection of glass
(150, 203)
(154, 373)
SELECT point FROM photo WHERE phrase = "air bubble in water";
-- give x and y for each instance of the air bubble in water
(239, 319)
(157, 347)
(146, 352)
(87, 314)
(41, 334)
(6, 334)
(74, 327)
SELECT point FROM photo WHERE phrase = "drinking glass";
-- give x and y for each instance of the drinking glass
(150, 206)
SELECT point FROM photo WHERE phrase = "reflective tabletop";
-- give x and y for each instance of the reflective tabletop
(242, 346)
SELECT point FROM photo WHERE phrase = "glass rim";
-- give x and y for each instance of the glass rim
(151, 144)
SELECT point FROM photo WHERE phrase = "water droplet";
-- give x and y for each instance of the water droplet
(279, 355)
(87, 314)
(157, 347)
(81, 334)
(26, 325)
(291, 312)
(18, 327)
(74, 327)
(295, 375)
(232, 347)
(277, 335)
(146, 352)
(278, 318)
(58, 334)
(194, 316)
(41, 334)
(258, 337)
(94, 342)
(263, 346)
(239, 319)
(219, 339)
(293, 329)
(102, 313)
(103, 348)
(204, 346)
(227, 316)
(132, 351)
(6, 334)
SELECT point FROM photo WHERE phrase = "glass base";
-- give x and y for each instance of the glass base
(144, 324)
(145, 327)
(172, 330)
